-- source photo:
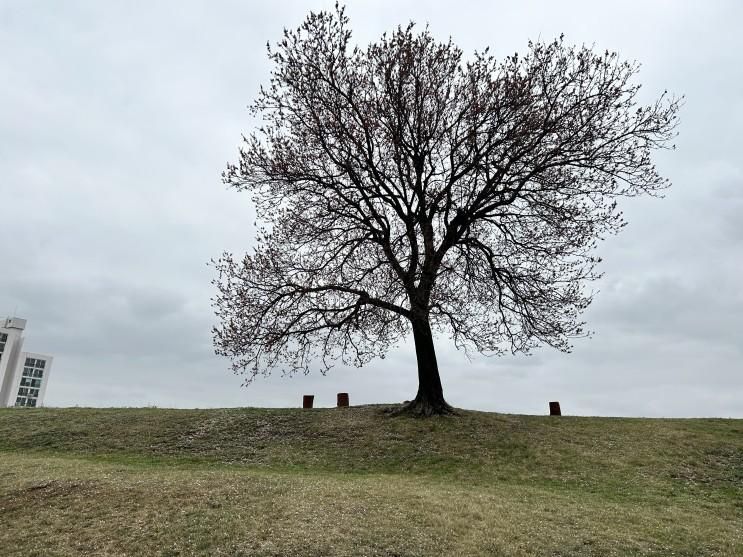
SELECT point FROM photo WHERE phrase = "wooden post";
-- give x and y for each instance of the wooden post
(342, 400)
(307, 401)
(555, 409)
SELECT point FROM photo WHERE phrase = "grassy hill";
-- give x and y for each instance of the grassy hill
(270, 482)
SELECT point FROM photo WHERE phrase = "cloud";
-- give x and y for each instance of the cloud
(117, 121)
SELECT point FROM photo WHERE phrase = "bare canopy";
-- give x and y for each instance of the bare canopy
(403, 187)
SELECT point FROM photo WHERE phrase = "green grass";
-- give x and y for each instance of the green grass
(269, 482)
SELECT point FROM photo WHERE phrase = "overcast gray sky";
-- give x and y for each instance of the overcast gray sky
(117, 118)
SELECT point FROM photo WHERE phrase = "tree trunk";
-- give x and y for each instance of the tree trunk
(430, 398)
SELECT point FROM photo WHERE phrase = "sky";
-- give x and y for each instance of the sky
(117, 119)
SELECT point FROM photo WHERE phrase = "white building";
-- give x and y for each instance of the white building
(23, 375)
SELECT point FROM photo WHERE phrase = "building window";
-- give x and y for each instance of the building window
(38, 373)
(32, 365)
(31, 402)
(20, 401)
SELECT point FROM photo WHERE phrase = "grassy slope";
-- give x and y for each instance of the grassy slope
(357, 482)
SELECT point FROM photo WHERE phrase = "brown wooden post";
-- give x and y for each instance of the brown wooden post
(555, 409)
(342, 400)
(307, 401)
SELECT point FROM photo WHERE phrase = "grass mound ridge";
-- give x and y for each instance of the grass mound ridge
(356, 481)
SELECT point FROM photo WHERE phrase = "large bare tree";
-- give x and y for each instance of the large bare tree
(403, 187)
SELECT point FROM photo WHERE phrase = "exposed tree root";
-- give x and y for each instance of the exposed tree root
(422, 408)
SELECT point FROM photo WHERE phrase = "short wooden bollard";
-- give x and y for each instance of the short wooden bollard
(555, 409)
(307, 401)
(342, 400)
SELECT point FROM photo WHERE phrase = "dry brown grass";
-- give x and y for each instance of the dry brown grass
(353, 482)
